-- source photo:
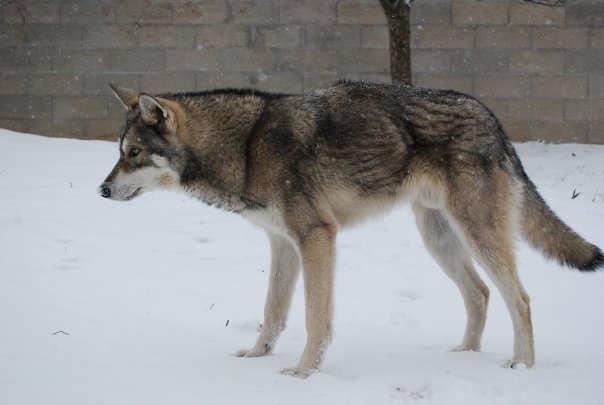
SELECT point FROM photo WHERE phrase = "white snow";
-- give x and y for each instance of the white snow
(104, 302)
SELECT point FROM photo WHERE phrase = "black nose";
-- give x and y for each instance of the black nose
(104, 191)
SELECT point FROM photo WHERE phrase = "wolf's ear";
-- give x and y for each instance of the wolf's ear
(151, 109)
(128, 97)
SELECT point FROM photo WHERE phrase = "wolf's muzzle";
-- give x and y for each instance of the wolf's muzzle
(104, 191)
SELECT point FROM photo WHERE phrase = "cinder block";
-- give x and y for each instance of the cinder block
(445, 37)
(559, 132)
(588, 110)
(431, 12)
(279, 36)
(254, 11)
(193, 59)
(176, 82)
(479, 12)
(222, 36)
(216, 80)
(249, 59)
(563, 86)
(536, 109)
(17, 125)
(87, 12)
(585, 13)
(375, 36)
(596, 86)
(280, 82)
(375, 77)
(480, 61)
(430, 61)
(26, 59)
(333, 36)
(27, 12)
(596, 38)
(79, 60)
(308, 12)
(80, 107)
(517, 131)
(115, 109)
(559, 37)
(533, 61)
(499, 106)
(366, 12)
(167, 36)
(30, 107)
(595, 132)
(105, 129)
(64, 35)
(523, 13)
(201, 12)
(314, 61)
(132, 60)
(313, 81)
(58, 128)
(465, 84)
(14, 35)
(506, 86)
(96, 84)
(585, 61)
(13, 83)
(135, 60)
(503, 37)
(54, 84)
(110, 36)
(144, 12)
(369, 61)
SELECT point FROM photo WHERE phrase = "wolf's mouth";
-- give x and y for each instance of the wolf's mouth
(133, 195)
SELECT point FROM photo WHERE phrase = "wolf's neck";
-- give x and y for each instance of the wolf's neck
(218, 128)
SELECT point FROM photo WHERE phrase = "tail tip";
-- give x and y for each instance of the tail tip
(594, 264)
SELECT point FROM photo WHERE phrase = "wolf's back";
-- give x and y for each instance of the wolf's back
(542, 228)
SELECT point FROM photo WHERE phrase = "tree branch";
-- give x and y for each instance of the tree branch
(547, 2)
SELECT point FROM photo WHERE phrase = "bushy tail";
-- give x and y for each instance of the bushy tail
(546, 232)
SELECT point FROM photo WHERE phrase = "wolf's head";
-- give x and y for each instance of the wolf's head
(149, 151)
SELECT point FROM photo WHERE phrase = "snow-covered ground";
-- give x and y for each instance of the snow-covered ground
(144, 302)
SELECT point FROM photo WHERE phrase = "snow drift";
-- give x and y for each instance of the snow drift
(145, 302)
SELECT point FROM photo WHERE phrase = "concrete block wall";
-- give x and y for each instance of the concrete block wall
(540, 68)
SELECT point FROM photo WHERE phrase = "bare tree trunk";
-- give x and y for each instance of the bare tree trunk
(397, 12)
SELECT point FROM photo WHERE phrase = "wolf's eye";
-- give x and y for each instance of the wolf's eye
(133, 152)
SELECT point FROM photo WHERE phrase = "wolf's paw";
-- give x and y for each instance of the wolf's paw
(466, 348)
(516, 365)
(298, 372)
(252, 352)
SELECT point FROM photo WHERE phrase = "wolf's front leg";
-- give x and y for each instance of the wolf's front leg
(285, 267)
(318, 251)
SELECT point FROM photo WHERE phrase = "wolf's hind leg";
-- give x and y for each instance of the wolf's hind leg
(450, 253)
(488, 224)
(285, 267)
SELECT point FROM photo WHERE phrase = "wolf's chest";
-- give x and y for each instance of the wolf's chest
(270, 219)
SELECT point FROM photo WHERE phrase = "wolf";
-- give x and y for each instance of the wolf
(302, 167)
